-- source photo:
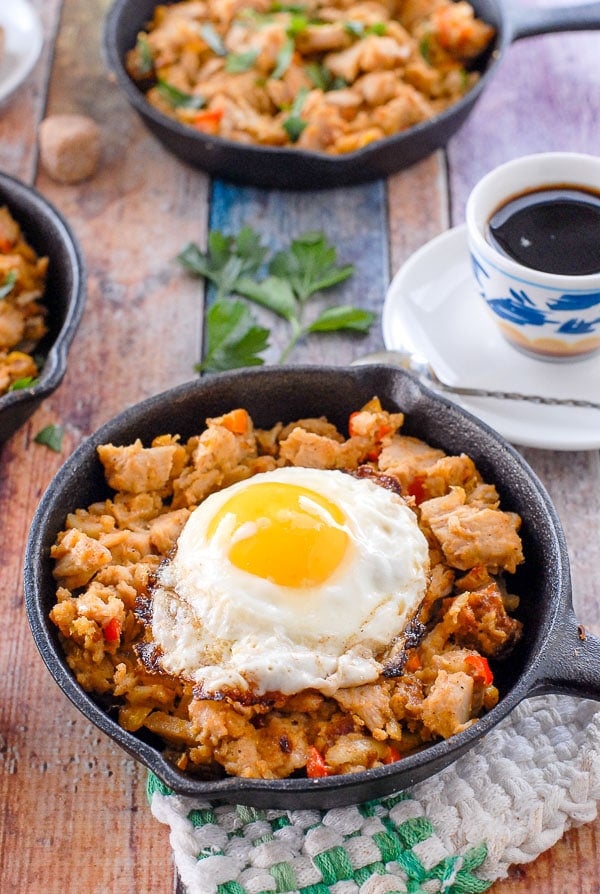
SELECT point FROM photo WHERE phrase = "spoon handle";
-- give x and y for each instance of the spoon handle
(426, 373)
(512, 395)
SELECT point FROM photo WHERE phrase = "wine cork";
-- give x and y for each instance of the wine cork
(69, 147)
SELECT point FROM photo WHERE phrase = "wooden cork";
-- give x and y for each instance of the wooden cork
(69, 147)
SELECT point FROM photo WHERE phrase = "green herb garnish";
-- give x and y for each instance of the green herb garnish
(322, 78)
(294, 274)
(424, 48)
(240, 62)
(359, 29)
(8, 284)
(297, 24)
(284, 58)
(287, 7)
(212, 37)
(144, 53)
(294, 124)
(233, 338)
(22, 383)
(177, 98)
(51, 436)
(227, 258)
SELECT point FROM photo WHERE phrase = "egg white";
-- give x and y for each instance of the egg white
(232, 631)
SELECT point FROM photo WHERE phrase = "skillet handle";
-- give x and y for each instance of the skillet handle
(572, 662)
(527, 21)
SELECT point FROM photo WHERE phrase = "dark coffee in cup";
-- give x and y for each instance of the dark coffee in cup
(555, 229)
(533, 229)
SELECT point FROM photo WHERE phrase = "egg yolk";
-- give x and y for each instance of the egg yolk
(285, 533)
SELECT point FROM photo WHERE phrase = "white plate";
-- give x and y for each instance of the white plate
(432, 308)
(23, 40)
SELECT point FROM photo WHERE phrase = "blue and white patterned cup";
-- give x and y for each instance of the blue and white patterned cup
(549, 316)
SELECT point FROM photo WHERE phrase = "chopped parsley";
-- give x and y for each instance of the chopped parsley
(212, 37)
(8, 284)
(24, 382)
(236, 63)
(177, 98)
(51, 436)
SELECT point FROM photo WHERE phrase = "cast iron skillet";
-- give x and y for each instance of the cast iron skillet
(48, 232)
(554, 654)
(288, 168)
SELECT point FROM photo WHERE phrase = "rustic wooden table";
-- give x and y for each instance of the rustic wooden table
(72, 807)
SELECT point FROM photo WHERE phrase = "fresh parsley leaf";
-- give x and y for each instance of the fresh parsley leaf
(273, 293)
(51, 436)
(287, 7)
(336, 318)
(227, 258)
(322, 78)
(25, 382)
(144, 54)
(293, 127)
(319, 75)
(8, 283)
(233, 338)
(309, 265)
(236, 63)
(338, 83)
(359, 29)
(284, 58)
(212, 37)
(177, 98)
(294, 124)
(249, 247)
(296, 25)
(354, 29)
(424, 47)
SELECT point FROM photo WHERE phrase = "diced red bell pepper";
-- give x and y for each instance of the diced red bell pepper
(393, 756)
(315, 765)
(208, 120)
(112, 630)
(481, 669)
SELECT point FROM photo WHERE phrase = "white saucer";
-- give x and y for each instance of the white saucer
(23, 41)
(432, 309)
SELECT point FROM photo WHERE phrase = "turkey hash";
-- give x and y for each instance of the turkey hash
(323, 75)
(293, 600)
(22, 313)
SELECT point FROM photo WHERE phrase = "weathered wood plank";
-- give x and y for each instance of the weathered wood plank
(545, 97)
(139, 335)
(354, 221)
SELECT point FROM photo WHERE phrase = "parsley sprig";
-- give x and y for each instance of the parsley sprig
(176, 98)
(233, 338)
(8, 284)
(51, 436)
(234, 265)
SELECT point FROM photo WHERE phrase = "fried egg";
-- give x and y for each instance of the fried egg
(293, 579)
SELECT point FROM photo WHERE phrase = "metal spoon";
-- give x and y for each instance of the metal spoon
(415, 364)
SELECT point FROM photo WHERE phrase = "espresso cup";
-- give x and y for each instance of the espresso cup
(547, 314)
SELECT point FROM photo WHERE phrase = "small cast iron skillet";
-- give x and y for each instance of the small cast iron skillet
(289, 168)
(552, 656)
(49, 234)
